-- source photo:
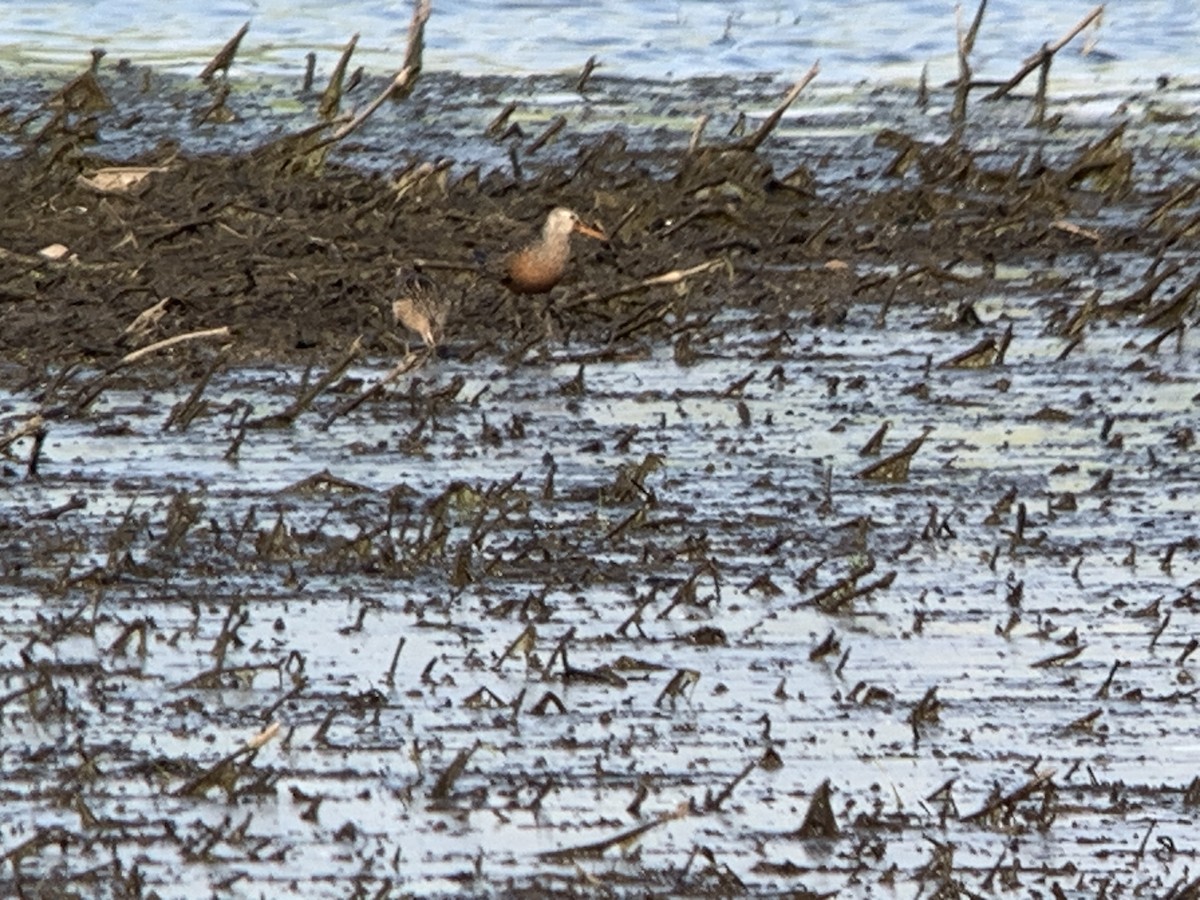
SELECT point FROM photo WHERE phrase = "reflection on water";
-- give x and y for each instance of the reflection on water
(882, 40)
(736, 488)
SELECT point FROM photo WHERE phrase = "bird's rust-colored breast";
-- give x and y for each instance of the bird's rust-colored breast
(530, 272)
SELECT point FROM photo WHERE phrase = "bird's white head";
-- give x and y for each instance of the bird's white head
(560, 223)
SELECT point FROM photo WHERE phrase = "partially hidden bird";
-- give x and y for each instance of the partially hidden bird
(419, 306)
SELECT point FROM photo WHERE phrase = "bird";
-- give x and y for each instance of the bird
(538, 267)
(420, 306)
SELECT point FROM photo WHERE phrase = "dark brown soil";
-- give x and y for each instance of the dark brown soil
(296, 253)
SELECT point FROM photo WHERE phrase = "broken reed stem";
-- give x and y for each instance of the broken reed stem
(399, 85)
(588, 68)
(411, 361)
(1047, 51)
(966, 43)
(224, 57)
(390, 677)
(1009, 800)
(414, 51)
(29, 428)
(402, 78)
(331, 99)
(182, 414)
(698, 133)
(555, 126)
(675, 276)
(496, 126)
(624, 839)
(712, 804)
(753, 141)
(310, 71)
(304, 401)
(1179, 196)
(1039, 114)
(214, 774)
(133, 357)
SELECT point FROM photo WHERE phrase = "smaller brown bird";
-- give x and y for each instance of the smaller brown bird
(540, 266)
(419, 307)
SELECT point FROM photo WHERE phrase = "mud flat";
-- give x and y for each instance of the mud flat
(832, 530)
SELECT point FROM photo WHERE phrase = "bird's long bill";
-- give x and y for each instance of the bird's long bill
(591, 232)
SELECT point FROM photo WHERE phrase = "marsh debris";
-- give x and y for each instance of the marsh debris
(586, 594)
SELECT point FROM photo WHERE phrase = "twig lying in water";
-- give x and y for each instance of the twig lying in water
(407, 364)
(597, 849)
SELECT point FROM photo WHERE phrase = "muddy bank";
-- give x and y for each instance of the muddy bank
(294, 251)
(861, 559)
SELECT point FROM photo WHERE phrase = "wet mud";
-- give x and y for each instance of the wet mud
(831, 530)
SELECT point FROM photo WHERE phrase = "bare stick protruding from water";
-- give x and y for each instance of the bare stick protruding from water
(698, 133)
(331, 100)
(894, 468)
(752, 142)
(588, 68)
(310, 71)
(223, 773)
(1047, 51)
(182, 414)
(415, 49)
(224, 57)
(407, 364)
(400, 86)
(306, 398)
(966, 43)
(29, 428)
(496, 126)
(557, 124)
(625, 839)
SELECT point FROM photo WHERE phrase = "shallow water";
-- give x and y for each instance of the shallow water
(879, 41)
(728, 490)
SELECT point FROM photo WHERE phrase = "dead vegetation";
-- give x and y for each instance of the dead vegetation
(687, 652)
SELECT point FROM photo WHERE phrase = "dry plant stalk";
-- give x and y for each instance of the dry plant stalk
(674, 276)
(752, 142)
(147, 319)
(224, 57)
(400, 85)
(133, 357)
(410, 361)
(331, 99)
(1044, 54)
(966, 43)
